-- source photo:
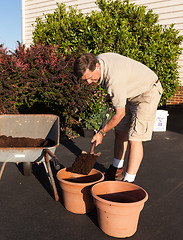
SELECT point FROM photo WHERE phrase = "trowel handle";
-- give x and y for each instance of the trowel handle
(106, 117)
(92, 148)
(102, 125)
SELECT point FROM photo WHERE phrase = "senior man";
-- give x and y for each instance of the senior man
(135, 92)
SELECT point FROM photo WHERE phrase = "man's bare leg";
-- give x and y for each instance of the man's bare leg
(115, 171)
(134, 161)
(120, 144)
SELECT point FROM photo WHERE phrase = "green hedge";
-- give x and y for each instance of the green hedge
(120, 27)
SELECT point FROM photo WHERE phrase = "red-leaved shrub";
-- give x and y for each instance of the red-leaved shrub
(40, 80)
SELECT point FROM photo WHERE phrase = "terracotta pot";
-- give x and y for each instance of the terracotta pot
(76, 190)
(118, 207)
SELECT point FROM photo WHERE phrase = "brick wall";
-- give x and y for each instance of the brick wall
(177, 98)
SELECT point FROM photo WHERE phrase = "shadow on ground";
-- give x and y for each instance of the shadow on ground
(174, 120)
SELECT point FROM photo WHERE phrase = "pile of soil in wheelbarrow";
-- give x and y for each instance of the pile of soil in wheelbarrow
(10, 142)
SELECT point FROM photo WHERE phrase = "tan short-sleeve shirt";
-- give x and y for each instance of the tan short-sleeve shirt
(124, 78)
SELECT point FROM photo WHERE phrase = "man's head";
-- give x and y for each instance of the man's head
(87, 67)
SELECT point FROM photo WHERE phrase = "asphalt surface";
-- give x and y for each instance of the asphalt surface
(28, 210)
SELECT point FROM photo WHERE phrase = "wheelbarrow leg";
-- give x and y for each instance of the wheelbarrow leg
(51, 177)
(2, 169)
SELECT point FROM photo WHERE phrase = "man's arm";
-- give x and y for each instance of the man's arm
(116, 118)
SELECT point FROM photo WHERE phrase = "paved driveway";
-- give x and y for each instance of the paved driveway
(28, 210)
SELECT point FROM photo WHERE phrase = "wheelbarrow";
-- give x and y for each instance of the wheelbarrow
(45, 126)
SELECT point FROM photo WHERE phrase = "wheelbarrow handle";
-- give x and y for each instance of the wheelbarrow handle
(54, 159)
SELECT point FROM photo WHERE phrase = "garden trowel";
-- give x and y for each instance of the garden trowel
(84, 163)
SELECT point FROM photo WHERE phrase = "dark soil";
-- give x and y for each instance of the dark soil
(85, 179)
(124, 197)
(22, 142)
(83, 163)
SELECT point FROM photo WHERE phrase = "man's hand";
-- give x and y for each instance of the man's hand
(120, 113)
(98, 138)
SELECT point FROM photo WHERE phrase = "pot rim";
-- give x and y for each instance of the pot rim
(80, 184)
(119, 203)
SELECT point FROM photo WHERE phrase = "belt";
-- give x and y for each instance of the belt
(156, 81)
(154, 84)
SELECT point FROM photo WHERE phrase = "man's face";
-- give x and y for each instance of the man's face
(92, 77)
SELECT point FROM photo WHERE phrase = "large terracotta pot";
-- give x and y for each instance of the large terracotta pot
(76, 189)
(118, 207)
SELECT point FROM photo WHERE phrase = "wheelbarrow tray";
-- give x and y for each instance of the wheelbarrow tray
(45, 126)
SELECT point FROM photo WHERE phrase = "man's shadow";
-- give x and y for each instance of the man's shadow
(39, 171)
(175, 117)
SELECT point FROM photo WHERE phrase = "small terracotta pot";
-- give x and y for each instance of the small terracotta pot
(118, 207)
(76, 190)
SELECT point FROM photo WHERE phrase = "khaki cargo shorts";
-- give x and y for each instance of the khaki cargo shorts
(140, 114)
